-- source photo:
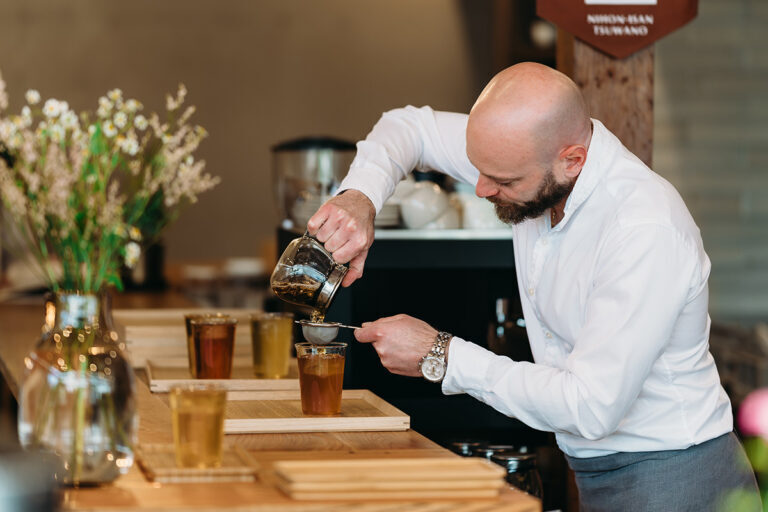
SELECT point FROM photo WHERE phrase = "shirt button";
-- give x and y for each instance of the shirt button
(548, 334)
(530, 291)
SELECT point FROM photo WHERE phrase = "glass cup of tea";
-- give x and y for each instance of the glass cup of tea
(197, 414)
(272, 338)
(321, 374)
(190, 341)
(213, 346)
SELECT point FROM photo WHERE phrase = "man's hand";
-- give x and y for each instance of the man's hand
(344, 224)
(401, 341)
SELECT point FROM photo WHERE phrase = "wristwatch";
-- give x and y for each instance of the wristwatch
(433, 364)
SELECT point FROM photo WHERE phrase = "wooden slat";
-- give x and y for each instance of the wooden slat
(371, 479)
(460, 494)
(395, 469)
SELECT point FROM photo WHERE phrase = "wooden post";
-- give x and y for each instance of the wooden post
(619, 92)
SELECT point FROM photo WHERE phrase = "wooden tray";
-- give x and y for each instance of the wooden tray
(159, 464)
(166, 372)
(280, 411)
(371, 479)
(160, 333)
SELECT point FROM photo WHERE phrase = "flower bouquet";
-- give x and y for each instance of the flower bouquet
(84, 191)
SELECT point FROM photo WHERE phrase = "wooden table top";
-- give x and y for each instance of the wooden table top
(20, 327)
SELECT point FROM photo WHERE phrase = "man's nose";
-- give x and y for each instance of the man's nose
(485, 187)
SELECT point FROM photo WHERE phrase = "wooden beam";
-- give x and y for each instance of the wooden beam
(501, 35)
(619, 92)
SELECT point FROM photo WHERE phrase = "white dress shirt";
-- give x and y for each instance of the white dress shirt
(614, 298)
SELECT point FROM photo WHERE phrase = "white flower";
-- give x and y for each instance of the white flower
(115, 94)
(69, 119)
(132, 106)
(3, 94)
(92, 129)
(15, 141)
(63, 106)
(140, 122)
(26, 112)
(57, 133)
(132, 253)
(52, 108)
(110, 130)
(7, 129)
(130, 146)
(105, 107)
(135, 234)
(121, 119)
(189, 160)
(32, 96)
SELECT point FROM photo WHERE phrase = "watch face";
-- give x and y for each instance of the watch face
(433, 368)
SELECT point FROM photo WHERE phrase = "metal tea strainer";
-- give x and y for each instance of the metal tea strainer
(321, 333)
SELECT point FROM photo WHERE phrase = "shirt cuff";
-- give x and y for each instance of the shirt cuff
(467, 367)
(375, 185)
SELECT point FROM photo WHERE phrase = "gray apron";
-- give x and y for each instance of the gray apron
(711, 476)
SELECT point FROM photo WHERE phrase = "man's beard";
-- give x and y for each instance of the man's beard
(549, 194)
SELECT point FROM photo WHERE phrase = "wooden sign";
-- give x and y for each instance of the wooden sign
(618, 27)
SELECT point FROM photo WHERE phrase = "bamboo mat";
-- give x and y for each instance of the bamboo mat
(158, 462)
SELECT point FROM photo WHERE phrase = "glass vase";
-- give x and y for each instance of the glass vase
(77, 398)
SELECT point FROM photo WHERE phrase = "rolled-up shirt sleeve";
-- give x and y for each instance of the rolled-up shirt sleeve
(645, 279)
(405, 139)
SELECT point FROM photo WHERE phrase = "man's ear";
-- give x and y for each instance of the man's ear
(575, 156)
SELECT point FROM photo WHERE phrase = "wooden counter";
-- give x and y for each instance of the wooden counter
(19, 330)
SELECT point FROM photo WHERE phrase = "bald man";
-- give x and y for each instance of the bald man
(612, 275)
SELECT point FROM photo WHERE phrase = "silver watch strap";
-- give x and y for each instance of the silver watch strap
(438, 348)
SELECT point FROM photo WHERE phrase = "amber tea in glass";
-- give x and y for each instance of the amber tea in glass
(197, 413)
(272, 337)
(321, 374)
(213, 344)
(190, 340)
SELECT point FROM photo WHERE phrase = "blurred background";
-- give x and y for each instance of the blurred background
(259, 73)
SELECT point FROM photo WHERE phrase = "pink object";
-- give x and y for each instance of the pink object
(753, 414)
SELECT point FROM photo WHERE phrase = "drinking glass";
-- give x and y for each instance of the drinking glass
(197, 412)
(190, 340)
(213, 344)
(272, 337)
(321, 374)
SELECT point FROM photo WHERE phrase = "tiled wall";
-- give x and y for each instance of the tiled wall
(711, 141)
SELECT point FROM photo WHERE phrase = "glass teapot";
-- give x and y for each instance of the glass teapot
(307, 275)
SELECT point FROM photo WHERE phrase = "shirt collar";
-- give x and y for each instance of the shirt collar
(591, 173)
